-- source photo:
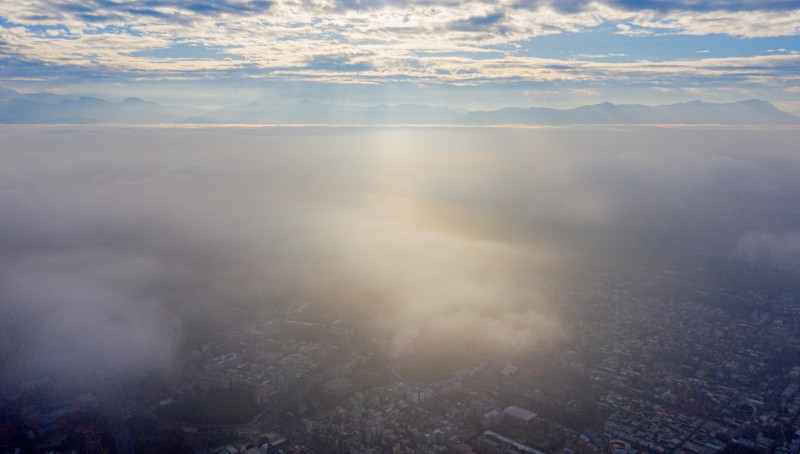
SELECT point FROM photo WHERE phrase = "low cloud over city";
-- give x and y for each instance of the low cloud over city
(116, 240)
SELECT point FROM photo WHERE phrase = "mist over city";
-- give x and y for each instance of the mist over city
(407, 227)
(119, 242)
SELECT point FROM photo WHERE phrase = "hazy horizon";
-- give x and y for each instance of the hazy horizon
(43, 108)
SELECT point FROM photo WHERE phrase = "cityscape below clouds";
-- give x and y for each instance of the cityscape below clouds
(225, 288)
(395, 226)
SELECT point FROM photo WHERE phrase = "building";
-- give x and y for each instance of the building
(519, 415)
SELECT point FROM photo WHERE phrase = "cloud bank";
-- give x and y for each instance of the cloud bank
(115, 238)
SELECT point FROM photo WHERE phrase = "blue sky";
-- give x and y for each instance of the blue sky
(461, 53)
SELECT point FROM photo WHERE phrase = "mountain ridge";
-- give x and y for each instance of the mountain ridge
(751, 111)
(29, 109)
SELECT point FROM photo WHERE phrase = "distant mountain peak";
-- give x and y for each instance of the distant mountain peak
(134, 100)
(758, 103)
(86, 100)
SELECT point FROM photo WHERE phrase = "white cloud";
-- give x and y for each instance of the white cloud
(596, 56)
(585, 91)
(382, 40)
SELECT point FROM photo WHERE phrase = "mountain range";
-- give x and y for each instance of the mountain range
(47, 108)
(53, 109)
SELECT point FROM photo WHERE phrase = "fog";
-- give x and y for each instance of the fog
(114, 240)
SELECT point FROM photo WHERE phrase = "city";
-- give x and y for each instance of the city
(634, 373)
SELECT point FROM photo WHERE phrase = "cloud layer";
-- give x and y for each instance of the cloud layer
(114, 239)
(464, 42)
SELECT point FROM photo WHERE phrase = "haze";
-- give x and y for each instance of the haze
(116, 239)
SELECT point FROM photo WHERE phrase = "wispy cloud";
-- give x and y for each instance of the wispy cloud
(370, 41)
(598, 56)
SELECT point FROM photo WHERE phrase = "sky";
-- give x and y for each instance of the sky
(458, 53)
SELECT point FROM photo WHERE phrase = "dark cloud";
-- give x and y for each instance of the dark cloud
(478, 23)
(106, 10)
